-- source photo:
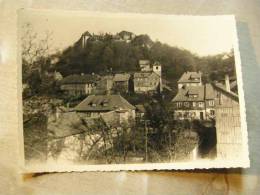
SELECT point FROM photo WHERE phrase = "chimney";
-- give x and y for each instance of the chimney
(227, 84)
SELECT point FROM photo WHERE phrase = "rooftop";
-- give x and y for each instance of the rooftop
(195, 93)
(222, 88)
(190, 77)
(125, 33)
(86, 34)
(97, 103)
(121, 77)
(143, 74)
(69, 123)
(144, 62)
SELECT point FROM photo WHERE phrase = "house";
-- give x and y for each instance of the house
(228, 126)
(126, 36)
(80, 137)
(147, 82)
(146, 66)
(194, 102)
(96, 105)
(105, 84)
(121, 81)
(79, 84)
(190, 79)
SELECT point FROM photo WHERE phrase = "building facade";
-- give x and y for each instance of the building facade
(95, 106)
(121, 82)
(194, 102)
(228, 125)
(105, 84)
(146, 82)
(126, 36)
(79, 84)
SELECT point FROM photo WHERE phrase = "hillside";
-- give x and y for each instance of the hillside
(106, 53)
(121, 52)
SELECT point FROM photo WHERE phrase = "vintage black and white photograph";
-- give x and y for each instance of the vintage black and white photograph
(130, 91)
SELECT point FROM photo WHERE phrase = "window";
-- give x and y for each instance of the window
(194, 104)
(201, 104)
(179, 104)
(193, 95)
(186, 104)
(211, 103)
(212, 112)
(104, 103)
(92, 104)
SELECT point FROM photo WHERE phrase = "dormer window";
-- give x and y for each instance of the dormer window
(193, 78)
(92, 104)
(104, 103)
(193, 95)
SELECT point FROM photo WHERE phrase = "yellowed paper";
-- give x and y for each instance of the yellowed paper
(110, 92)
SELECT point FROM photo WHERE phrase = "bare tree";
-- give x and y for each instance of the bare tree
(35, 49)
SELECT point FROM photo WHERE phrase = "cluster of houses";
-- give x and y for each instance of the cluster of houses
(147, 80)
(194, 100)
(218, 101)
(102, 101)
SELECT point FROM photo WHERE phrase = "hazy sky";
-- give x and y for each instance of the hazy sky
(199, 34)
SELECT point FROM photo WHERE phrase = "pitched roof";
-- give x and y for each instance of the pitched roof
(103, 103)
(144, 74)
(195, 93)
(80, 79)
(184, 94)
(209, 92)
(221, 87)
(190, 77)
(144, 62)
(233, 84)
(69, 123)
(121, 77)
(86, 34)
(122, 33)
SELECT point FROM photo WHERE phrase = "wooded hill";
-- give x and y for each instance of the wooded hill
(104, 53)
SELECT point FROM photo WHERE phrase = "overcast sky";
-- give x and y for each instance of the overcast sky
(199, 34)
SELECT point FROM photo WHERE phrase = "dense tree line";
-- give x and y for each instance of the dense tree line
(106, 55)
